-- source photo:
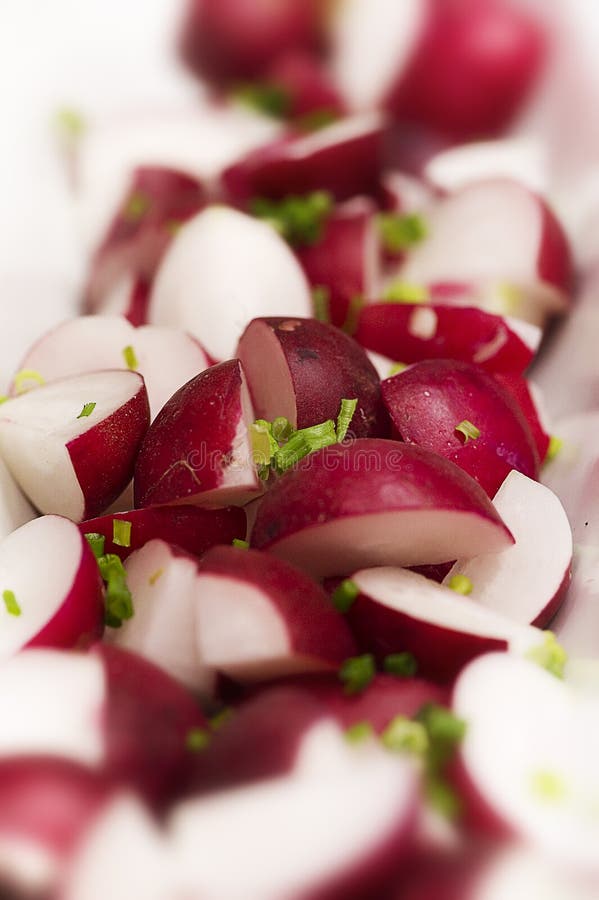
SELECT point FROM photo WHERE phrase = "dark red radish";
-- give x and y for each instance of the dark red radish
(522, 159)
(302, 369)
(528, 581)
(346, 260)
(197, 288)
(375, 503)
(308, 90)
(166, 357)
(401, 611)
(495, 232)
(411, 333)
(71, 445)
(459, 411)
(258, 618)
(531, 402)
(198, 449)
(15, 509)
(192, 529)
(344, 158)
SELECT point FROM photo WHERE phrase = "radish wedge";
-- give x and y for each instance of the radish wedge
(375, 503)
(71, 445)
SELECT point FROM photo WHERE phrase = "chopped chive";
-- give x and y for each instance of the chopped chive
(357, 672)
(121, 532)
(359, 732)
(396, 369)
(130, 358)
(445, 731)
(468, 431)
(241, 545)
(555, 446)
(271, 99)
(404, 292)
(118, 600)
(346, 414)
(136, 207)
(155, 576)
(3, 398)
(442, 797)
(197, 740)
(26, 377)
(353, 314)
(96, 542)
(321, 302)
(173, 227)
(548, 786)
(317, 119)
(461, 584)
(403, 735)
(401, 232)
(299, 219)
(344, 595)
(303, 442)
(549, 655)
(70, 122)
(281, 429)
(10, 602)
(220, 718)
(87, 410)
(402, 665)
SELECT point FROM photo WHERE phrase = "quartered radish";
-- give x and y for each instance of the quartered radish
(376, 503)
(259, 618)
(15, 509)
(523, 159)
(71, 445)
(198, 449)
(197, 288)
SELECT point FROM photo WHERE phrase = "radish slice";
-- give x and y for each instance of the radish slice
(69, 457)
(375, 503)
(521, 159)
(15, 509)
(258, 618)
(526, 582)
(399, 610)
(198, 290)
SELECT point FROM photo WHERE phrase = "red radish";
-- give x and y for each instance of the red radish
(344, 158)
(71, 445)
(199, 290)
(458, 410)
(188, 527)
(346, 260)
(157, 202)
(307, 86)
(414, 332)
(15, 509)
(166, 357)
(375, 503)
(229, 40)
(526, 582)
(302, 369)
(198, 449)
(495, 231)
(531, 403)
(129, 298)
(521, 159)
(399, 611)
(258, 618)
(58, 602)
(164, 589)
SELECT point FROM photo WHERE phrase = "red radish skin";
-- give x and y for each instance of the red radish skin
(302, 369)
(427, 401)
(374, 503)
(523, 392)
(287, 622)
(198, 450)
(307, 85)
(193, 529)
(411, 333)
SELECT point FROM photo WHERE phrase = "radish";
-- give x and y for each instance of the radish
(308, 90)
(404, 193)
(522, 159)
(302, 369)
(532, 403)
(197, 288)
(374, 503)
(192, 529)
(258, 618)
(198, 449)
(496, 231)
(15, 509)
(528, 581)
(401, 611)
(344, 158)
(71, 445)
(166, 357)
(129, 298)
(459, 411)
(413, 332)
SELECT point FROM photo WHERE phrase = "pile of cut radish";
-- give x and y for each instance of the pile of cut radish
(299, 518)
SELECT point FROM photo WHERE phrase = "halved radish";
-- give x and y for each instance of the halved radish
(411, 333)
(532, 403)
(308, 89)
(166, 357)
(302, 369)
(259, 618)
(163, 585)
(523, 159)
(198, 449)
(495, 231)
(526, 582)
(198, 289)
(461, 412)
(15, 509)
(344, 158)
(71, 445)
(399, 611)
(192, 529)
(375, 503)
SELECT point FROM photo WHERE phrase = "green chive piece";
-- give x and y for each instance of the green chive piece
(442, 797)
(404, 292)
(87, 410)
(321, 302)
(396, 369)
(3, 398)
(299, 219)
(548, 786)
(303, 442)
(357, 672)
(403, 735)
(549, 655)
(70, 123)
(136, 207)
(96, 542)
(346, 414)
(155, 576)
(26, 379)
(317, 119)
(270, 99)
(461, 584)
(221, 718)
(121, 532)
(344, 596)
(353, 314)
(241, 545)
(130, 358)
(358, 733)
(10, 602)
(197, 740)
(555, 447)
(445, 731)
(402, 665)
(264, 445)
(468, 430)
(118, 600)
(281, 429)
(401, 232)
